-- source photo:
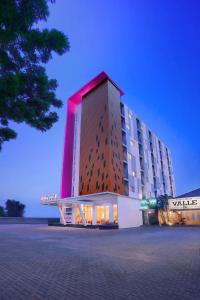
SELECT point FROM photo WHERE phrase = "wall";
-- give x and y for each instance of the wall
(101, 155)
(8, 220)
(134, 164)
(129, 214)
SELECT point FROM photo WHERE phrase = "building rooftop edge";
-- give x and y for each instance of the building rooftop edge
(76, 97)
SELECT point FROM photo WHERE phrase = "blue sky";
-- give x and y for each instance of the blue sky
(151, 49)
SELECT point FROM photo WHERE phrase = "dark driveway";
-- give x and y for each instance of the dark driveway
(40, 262)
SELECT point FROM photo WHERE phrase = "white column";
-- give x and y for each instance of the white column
(94, 214)
(82, 215)
(73, 214)
(111, 219)
(61, 210)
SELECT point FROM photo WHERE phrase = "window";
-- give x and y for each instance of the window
(104, 163)
(106, 141)
(129, 155)
(103, 176)
(132, 143)
(98, 172)
(133, 173)
(130, 115)
(102, 186)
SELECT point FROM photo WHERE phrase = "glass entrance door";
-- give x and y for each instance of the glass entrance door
(102, 214)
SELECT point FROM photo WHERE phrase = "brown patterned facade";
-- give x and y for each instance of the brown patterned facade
(101, 153)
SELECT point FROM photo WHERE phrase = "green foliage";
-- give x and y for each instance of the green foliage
(26, 93)
(2, 212)
(14, 208)
(162, 202)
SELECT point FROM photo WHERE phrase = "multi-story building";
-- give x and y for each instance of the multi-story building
(110, 151)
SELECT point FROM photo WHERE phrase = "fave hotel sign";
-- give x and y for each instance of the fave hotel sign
(184, 203)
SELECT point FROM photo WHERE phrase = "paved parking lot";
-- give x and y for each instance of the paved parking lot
(40, 262)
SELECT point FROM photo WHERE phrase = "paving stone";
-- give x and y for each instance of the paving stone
(38, 262)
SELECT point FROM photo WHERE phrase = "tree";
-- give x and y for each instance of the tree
(162, 202)
(26, 93)
(2, 212)
(162, 205)
(14, 208)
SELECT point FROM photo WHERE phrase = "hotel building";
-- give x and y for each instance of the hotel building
(111, 159)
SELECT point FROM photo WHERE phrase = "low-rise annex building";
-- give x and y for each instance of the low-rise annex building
(186, 208)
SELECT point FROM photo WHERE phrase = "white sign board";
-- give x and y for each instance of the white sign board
(184, 203)
(48, 198)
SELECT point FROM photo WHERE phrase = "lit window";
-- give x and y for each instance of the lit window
(140, 196)
(132, 143)
(129, 156)
(133, 173)
(127, 126)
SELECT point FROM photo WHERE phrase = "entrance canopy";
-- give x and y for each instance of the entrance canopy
(83, 199)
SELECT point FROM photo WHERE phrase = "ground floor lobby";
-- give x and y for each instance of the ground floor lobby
(99, 209)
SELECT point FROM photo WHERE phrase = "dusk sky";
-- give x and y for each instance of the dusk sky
(151, 49)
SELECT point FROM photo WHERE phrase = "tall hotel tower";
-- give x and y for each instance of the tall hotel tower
(108, 148)
(109, 154)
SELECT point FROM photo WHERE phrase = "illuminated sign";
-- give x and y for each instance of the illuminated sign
(184, 203)
(48, 198)
(148, 204)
